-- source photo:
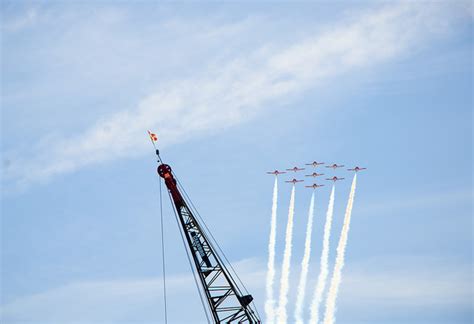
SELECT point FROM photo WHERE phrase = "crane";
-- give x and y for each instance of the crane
(225, 300)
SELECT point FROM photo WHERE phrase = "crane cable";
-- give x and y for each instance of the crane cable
(212, 237)
(163, 245)
(216, 243)
(163, 259)
(180, 230)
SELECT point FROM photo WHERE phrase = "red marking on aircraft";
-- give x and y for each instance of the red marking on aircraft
(276, 172)
(334, 166)
(315, 163)
(314, 174)
(356, 169)
(294, 181)
(295, 169)
(335, 179)
(314, 186)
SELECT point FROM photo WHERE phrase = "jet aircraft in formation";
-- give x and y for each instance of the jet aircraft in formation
(356, 169)
(294, 181)
(315, 163)
(295, 169)
(276, 172)
(314, 186)
(314, 174)
(335, 179)
(334, 166)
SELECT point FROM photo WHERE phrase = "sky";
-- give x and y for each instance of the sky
(233, 89)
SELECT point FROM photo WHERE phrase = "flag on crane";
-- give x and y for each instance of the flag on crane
(153, 136)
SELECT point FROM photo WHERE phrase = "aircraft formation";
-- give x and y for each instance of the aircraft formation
(315, 164)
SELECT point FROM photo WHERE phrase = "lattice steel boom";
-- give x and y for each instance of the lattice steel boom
(225, 300)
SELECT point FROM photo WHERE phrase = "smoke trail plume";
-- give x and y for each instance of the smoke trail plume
(324, 268)
(304, 265)
(270, 302)
(341, 250)
(285, 268)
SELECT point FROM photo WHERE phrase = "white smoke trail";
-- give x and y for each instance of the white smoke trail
(285, 268)
(304, 265)
(341, 250)
(270, 302)
(324, 268)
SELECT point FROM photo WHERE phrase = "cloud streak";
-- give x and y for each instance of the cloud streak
(238, 89)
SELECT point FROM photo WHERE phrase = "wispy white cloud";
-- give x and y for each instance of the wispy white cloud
(238, 88)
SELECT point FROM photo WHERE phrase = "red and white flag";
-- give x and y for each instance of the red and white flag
(153, 136)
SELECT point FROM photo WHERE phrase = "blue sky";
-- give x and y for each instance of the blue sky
(233, 90)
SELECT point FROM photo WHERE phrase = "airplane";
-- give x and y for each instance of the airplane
(314, 163)
(276, 172)
(334, 166)
(295, 169)
(335, 179)
(314, 174)
(314, 186)
(294, 181)
(357, 169)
